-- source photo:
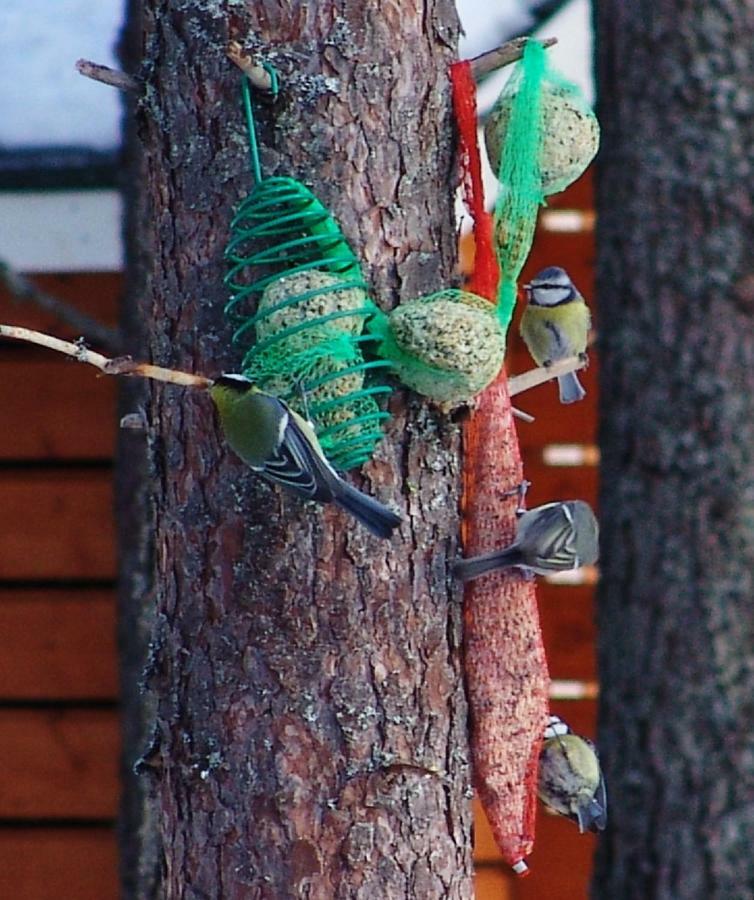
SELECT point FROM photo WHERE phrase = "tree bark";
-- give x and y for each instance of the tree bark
(140, 850)
(676, 298)
(311, 718)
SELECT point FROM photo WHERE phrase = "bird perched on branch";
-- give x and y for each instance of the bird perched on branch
(550, 538)
(282, 447)
(555, 325)
(570, 778)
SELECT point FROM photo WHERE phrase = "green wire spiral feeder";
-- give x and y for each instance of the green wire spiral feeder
(299, 305)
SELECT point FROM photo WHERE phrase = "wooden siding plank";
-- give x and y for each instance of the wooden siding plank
(57, 645)
(561, 863)
(550, 483)
(58, 864)
(492, 883)
(567, 617)
(59, 763)
(94, 293)
(579, 195)
(59, 410)
(554, 423)
(56, 525)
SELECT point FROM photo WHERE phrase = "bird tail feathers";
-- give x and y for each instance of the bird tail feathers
(591, 817)
(474, 566)
(570, 388)
(371, 513)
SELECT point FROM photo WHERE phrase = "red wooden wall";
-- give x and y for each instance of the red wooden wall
(58, 677)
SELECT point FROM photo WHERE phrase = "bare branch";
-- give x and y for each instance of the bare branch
(116, 79)
(124, 365)
(121, 365)
(534, 377)
(23, 290)
(256, 74)
(524, 416)
(501, 56)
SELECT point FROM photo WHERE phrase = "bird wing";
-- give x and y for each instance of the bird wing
(555, 332)
(599, 807)
(559, 552)
(296, 465)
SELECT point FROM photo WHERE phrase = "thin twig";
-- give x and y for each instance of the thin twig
(524, 416)
(121, 365)
(257, 75)
(113, 77)
(23, 290)
(534, 377)
(124, 365)
(501, 56)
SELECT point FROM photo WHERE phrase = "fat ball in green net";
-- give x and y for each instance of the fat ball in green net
(312, 294)
(309, 351)
(297, 288)
(540, 136)
(447, 346)
(570, 133)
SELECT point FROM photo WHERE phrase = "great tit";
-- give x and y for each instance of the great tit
(282, 447)
(550, 538)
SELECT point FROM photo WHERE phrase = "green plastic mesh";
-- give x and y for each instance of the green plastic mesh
(447, 346)
(520, 193)
(299, 306)
(540, 137)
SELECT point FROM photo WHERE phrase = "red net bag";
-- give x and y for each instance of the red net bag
(505, 666)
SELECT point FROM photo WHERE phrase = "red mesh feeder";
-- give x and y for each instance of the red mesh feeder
(505, 666)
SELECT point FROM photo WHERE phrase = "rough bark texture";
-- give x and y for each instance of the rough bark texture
(139, 844)
(676, 298)
(311, 716)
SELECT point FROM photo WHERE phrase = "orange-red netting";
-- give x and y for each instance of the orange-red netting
(506, 670)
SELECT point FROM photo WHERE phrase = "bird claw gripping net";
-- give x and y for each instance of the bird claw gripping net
(299, 305)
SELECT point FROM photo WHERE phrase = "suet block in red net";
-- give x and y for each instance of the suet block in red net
(505, 664)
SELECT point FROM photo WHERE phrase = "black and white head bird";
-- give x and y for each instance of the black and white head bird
(550, 538)
(555, 325)
(570, 778)
(281, 446)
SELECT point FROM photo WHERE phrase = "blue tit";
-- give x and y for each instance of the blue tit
(550, 538)
(570, 778)
(278, 443)
(555, 325)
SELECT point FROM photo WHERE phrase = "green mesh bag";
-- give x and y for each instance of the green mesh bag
(299, 305)
(540, 136)
(447, 346)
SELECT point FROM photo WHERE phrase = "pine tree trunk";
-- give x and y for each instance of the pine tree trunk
(676, 297)
(139, 840)
(311, 718)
